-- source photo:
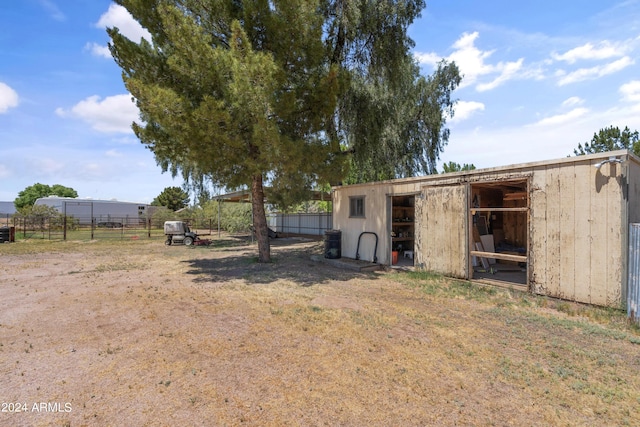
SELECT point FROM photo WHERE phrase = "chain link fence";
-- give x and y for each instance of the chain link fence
(87, 227)
(92, 228)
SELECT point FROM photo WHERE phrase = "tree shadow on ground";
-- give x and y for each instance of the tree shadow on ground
(290, 261)
(231, 242)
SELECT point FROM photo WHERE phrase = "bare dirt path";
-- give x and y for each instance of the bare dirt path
(140, 334)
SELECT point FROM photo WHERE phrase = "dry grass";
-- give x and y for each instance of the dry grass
(136, 333)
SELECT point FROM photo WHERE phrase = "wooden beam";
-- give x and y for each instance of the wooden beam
(500, 283)
(522, 209)
(515, 196)
(498, 255)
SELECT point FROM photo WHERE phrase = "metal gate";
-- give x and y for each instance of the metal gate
(633, 284)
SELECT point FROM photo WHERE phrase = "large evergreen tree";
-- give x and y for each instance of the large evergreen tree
(173, 198)
(279, 90)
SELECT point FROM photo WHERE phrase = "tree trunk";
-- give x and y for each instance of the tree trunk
(260, 219)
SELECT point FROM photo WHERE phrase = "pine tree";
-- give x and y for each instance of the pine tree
(611, 139)
(243, 93)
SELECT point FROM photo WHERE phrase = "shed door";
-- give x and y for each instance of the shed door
(441, 218)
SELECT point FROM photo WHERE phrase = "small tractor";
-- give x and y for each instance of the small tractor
(179, 232)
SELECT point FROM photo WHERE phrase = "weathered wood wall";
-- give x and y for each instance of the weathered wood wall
(441, 220)
(576, 232)
(576, 236)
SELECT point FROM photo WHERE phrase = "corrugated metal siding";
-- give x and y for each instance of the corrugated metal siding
(633, 294)
(302, 223)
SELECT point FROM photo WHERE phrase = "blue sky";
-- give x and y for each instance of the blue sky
(539, 78)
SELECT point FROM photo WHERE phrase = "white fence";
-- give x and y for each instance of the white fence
(301, 223)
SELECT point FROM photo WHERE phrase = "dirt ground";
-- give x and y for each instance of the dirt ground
(137, 333)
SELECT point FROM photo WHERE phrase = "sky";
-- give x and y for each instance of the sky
(538, 79)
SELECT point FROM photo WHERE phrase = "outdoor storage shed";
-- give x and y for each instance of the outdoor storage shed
(558, 228)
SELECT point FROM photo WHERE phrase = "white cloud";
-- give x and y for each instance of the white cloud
(48, 166)
(465, 109)
(594, 72)
(552, 138)
(53, 9)
(429, 58)
(473, 64)
(507, 71)
(126, 140)
(98, 50)
(4, 171)
(563, 118)
(113, 153)
(113, 114)
(469, 59)
(119, 17)
(574, 100)
(94, 170)
(588, 51)
(631, 91)
(8, 98)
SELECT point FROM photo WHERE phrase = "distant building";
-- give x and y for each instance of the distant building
(7, 208)
(107, 213)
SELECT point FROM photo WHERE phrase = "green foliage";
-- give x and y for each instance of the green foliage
(611, 139)
(456, 167)
(39, 211)
(234, 100)
(309, 206)
(39, 216)
(162, 214)
(29, 195)
(234, 217)
(173, 198)
(234, 92)
(239, 93)
(400, 124)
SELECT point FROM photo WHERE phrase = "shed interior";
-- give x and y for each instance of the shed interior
(402, 229)
(499, 224)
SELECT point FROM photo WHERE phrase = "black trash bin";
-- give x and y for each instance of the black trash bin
(333, 244)
(4, 234)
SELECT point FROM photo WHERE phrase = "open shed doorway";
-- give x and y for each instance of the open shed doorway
(403, 216)
(499, 230)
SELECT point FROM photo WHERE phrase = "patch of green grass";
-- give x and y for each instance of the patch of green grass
(224, 243)
(608, 322)
(437, 285)
(428, 282)
(117, 266)
(29, 247)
